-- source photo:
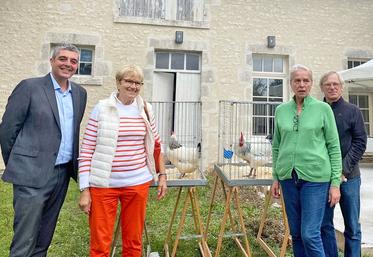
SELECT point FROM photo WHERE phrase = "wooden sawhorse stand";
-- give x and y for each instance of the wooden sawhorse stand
(259, 239)
(191, 195)
(236, 231)
(232, 181)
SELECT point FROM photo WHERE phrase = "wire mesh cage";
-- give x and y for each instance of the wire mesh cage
(180, 129)
(245, 136)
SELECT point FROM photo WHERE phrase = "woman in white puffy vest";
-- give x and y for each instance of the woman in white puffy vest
(117, 164)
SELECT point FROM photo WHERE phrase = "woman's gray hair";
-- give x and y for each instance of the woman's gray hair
(64, 46)
(326, 76)
(297, 67)
(129, 71)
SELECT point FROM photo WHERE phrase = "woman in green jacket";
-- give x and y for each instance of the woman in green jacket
(306, 162)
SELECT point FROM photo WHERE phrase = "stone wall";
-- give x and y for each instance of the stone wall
(320, 34)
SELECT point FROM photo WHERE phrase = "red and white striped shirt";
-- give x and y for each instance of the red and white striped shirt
(129, 165)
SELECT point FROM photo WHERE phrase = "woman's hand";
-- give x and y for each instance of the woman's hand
(334, 195)
(275, 189)
(85, 201)
(162, 186)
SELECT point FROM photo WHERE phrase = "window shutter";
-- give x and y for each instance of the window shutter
(153, 9)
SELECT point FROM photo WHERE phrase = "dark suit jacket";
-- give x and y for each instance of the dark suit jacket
(30, 133)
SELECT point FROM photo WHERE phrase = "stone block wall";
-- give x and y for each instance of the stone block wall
(319, 34)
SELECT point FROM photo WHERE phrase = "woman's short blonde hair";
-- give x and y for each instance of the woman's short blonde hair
(128, 72)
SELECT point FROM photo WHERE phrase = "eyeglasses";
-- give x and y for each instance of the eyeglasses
(132, 82)
(329, 85)
(295, 122)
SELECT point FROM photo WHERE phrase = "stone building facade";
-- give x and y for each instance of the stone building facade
(228, 37)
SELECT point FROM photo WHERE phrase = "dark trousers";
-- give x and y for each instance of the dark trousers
(36, 212)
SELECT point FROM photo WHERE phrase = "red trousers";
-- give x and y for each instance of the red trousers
(102, 219)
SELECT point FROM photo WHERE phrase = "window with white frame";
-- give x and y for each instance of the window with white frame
(354, 62)
(362, 101)
(269, 74)
(85, 61)
(180, 10)
(178, 61)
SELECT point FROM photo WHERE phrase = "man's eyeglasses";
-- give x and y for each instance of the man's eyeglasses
(132, 82)
(332, 84)
(295, 122)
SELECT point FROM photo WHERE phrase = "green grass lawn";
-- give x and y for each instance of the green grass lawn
(72, 234)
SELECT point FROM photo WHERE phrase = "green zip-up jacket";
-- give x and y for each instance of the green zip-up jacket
(308, 143)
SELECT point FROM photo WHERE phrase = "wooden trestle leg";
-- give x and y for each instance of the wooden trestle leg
(259, 239)
(229, 193)
(191, 195)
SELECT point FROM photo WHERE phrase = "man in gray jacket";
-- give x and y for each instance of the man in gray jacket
(39, 137)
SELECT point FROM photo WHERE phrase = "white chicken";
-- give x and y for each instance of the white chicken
(255, 152)
(185, 159)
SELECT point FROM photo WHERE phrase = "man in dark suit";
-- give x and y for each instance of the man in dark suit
(39, 137)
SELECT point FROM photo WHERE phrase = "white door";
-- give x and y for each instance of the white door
(187, 115)
(163, 86)
(188, 87)
(163, 92)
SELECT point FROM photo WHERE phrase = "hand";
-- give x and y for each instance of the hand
(334, 195)
(343, 178)
(275, 189)
(85, 201)
(162, 187)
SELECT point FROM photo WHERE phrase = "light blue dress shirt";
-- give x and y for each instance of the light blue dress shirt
(66, 114)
